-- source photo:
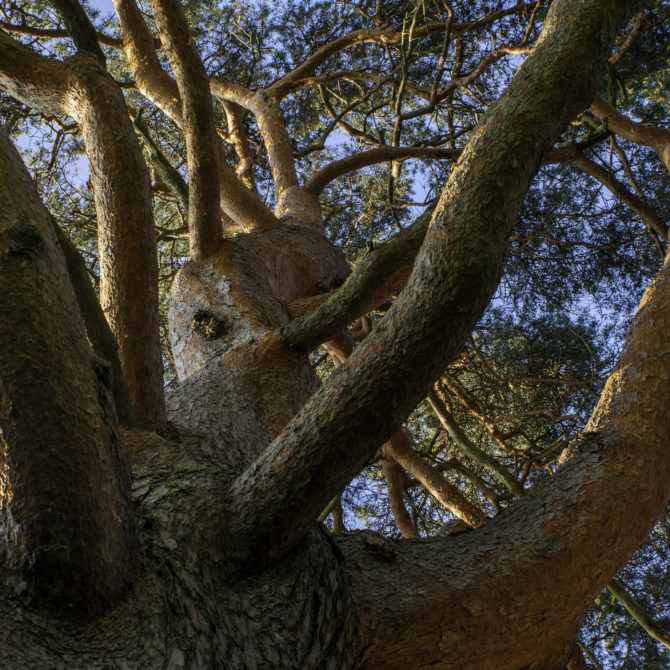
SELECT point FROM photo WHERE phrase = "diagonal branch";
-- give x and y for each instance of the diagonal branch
(42, 83)
(472, 451)
(80, 28)
(639, 206)
(400, 448)
(276, 500)
(640, 133)
(382, 272)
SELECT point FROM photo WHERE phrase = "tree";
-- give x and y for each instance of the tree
(139, 536)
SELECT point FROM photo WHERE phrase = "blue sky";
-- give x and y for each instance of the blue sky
(106, 6)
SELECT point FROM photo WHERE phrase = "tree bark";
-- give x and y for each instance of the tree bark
(65, 516)
(233, 572)
(453, 280)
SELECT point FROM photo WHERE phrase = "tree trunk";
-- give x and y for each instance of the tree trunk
(231, 570)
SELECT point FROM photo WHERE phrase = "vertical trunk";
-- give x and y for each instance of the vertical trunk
(126, 236)
(65, 516)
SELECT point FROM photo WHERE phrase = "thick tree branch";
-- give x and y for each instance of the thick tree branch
(398, 451)
(204, 220)
(126, 235)
(576, 528)
(83, 90)
(264, 104)
(97, 329)
(42, 83)
(139, 46)
(356, 161)
(80, 28)
(65, 508)
(651, 136)
(381, 273)
(236, 201)
(454, 278)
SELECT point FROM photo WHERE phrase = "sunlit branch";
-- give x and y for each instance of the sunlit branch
(56, 33)
(650, 136)
(356, 161)
(449, 496)
(205, 228)
(236, 201)
(395, 484)
(237, 136)
(380, 36)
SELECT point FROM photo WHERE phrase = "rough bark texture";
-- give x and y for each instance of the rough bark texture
(204, 219)
(179, 613)
(233, 572)
(65, 517)
(81, 88)
(126, 237)
(453, 280)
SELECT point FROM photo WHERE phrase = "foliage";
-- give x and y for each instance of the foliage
(524, 385)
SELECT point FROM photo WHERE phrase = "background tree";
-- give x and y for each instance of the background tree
(394, 248)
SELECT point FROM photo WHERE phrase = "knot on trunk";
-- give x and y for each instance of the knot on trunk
(207, 325)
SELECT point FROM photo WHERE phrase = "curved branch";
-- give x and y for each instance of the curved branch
(236, 201)
(139, 46)
(455, 275)
(650, 136)
(288, 82)
(356, 161)
(204, 220)
(381, 273)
